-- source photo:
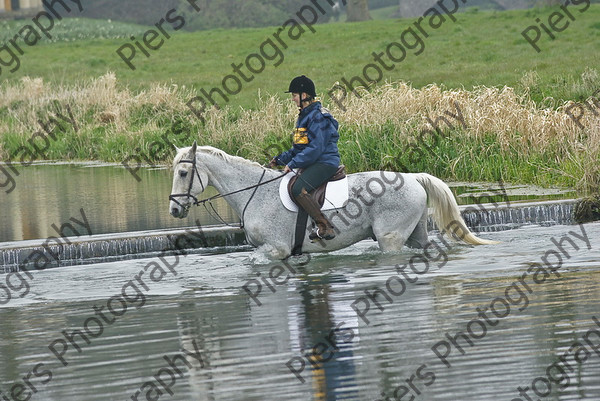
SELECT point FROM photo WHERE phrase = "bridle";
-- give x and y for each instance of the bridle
(173, 197)
(195, 173)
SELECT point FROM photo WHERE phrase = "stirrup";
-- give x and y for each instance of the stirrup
(315, 235)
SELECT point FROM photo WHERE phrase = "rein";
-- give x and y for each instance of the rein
(203, 202)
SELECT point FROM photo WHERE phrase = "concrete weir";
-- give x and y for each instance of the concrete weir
(218, 239)
(121, 246)
(507, 216)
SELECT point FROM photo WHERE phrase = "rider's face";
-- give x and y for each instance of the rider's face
(296, 99)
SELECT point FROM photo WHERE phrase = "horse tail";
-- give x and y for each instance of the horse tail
(445, 210)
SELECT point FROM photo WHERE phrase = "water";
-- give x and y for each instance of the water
(113, 247)
(502, 216)
(44, 254)
(114, 201)
(111, 198)
(244, 347)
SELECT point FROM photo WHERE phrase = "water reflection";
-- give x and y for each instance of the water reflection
(110, 196)
(245, 346)
(326, 344)
(116, 202)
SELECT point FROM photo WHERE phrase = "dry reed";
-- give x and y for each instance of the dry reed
(514, 122)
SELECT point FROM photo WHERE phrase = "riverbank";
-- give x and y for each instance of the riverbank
(487, 134)
(456, 109)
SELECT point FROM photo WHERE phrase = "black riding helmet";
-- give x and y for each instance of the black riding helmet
(303, 84)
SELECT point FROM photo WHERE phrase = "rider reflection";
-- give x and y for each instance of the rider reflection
(332, 370)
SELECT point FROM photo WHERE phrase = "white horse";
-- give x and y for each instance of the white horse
(386, 206)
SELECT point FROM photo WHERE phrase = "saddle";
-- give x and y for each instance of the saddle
(318, 194)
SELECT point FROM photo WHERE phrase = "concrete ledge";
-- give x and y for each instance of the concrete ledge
(502, 216)
(217, 239)
(110, 247)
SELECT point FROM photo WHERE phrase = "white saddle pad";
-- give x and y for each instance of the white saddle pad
(336, 194)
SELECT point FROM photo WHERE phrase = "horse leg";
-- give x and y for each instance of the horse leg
(406, 229)
(389, 240)
(418, 238)
(272, 251)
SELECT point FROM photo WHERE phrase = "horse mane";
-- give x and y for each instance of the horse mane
(216, 152)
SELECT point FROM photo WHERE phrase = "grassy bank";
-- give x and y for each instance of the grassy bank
(512, 100)
(480, 48)
(489, 133)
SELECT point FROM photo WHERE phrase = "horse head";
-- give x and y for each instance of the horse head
(189, 181)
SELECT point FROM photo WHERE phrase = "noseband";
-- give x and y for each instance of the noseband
(203, 202)
(188, 195)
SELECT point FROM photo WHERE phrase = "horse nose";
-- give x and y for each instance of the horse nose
(175, 212)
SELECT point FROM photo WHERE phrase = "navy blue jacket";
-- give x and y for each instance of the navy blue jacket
(315, 139)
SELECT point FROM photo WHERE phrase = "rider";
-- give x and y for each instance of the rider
(314, 150)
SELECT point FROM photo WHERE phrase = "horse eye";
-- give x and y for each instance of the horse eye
(183, 173)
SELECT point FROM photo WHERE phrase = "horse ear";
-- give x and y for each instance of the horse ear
(192, 151)
(176, 148)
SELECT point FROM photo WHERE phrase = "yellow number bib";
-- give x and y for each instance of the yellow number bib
(300, 136)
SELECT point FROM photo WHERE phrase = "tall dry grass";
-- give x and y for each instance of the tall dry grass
(29, 100)
(376, 126)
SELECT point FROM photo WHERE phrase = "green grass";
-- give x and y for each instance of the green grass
(483, 48)
(384, 12)
(73, 29)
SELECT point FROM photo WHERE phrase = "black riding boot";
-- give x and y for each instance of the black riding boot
(324, 228)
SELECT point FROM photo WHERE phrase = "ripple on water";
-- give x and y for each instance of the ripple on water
(245, 347)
